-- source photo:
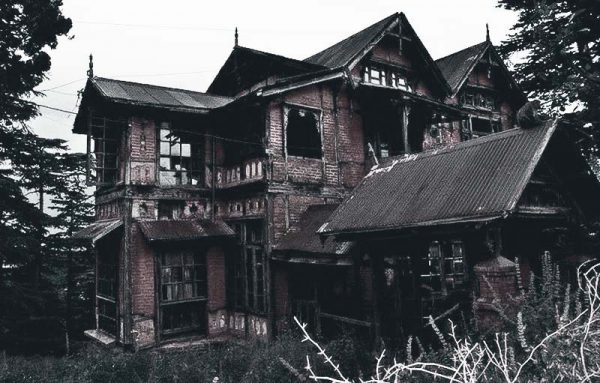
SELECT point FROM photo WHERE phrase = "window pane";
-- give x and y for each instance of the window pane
(186, 150)
(165, 148)
(175, 149)
(164, 133)
(165, 163)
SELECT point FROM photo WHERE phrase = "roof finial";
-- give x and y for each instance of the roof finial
(487, 32)
(90, 71)
(236, 37)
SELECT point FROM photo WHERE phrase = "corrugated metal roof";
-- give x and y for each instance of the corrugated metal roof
(474, 180)
(458, 65)
(306, 240)
(342, 52)
(98, 229)
(184, 230)
(158, 96)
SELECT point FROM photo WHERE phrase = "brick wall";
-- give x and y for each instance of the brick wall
(142, 274)
(215, 269)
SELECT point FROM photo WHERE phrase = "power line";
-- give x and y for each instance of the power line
(63, 85)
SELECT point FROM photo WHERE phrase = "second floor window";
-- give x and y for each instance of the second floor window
(387, 77)
(179, 161)
(303, 133)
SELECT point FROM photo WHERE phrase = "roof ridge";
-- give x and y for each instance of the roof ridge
(462, 50)
(162, 87)
(461, 145)
(395, 14)
(278, 55)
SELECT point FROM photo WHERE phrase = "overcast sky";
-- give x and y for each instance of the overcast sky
(183, 43)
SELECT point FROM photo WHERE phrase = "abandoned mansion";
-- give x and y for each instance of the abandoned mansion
(365, 188)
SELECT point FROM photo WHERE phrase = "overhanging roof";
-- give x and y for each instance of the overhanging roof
(157, 96)
(477, 180)
(175, 230)
(98, 230)
(457, 67)
(304, 244)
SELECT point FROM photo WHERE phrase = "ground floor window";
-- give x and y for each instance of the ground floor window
(248, 267)
(183, 291)
(443, 272)
(106, 288)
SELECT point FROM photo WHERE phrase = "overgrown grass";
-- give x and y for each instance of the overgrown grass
(231, 363)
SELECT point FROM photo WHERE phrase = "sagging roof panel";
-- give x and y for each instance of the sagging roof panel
(306, 239)
(476, 180)
(155, 231)
(157, 96)
(98, 230)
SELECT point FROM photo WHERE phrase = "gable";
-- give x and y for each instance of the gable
(392, 41)
(246, 67)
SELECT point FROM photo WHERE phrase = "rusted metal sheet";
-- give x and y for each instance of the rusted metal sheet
(306, 240)
(157, 96)
(98, 230)
(475, 180)
(174, 230)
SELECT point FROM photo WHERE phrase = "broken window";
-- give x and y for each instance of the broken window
(378, 75)
(170, 209)
(444, 268)
(303, 137)
(179, 161)
(183, 292)
(479, 100)
(104, 138)
(107, 287)
(248, 289)
(481, 126)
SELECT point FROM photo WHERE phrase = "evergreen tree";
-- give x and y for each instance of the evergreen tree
(28, 29)
(558, 46)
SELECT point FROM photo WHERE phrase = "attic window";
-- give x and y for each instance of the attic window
(386, 77)
(303, 137)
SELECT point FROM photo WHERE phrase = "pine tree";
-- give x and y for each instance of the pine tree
(558, 46)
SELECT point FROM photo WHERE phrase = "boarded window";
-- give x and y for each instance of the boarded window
(183, 292)
(303, 133)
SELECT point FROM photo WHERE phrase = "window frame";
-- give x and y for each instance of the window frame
(195, 157)
(248, 288)
(318, 113)
(199, 296)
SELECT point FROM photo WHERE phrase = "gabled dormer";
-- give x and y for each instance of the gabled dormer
(387, 54)
(247, 69)
(481, 84)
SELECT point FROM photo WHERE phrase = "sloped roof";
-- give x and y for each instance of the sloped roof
(342, 52)
(306, 239)
(174, 230)
(475, 180)
(157, 96)
(246, 67)
(457, 66)
(98, 230)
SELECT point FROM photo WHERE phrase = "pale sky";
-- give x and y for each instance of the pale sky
(183, 43)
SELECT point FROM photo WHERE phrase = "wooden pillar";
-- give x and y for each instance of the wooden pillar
(377, 281)
(405, 113)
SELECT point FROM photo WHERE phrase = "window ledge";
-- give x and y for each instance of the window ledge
(100, 337)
